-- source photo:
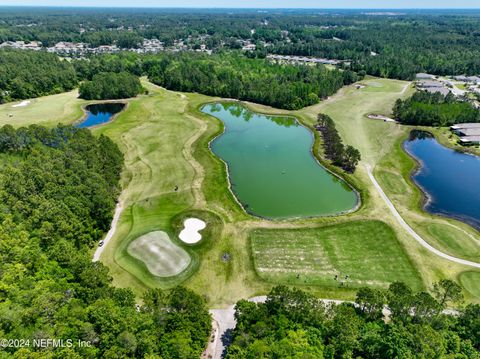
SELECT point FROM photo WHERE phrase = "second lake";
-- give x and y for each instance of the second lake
(100, 113)
(450, 179)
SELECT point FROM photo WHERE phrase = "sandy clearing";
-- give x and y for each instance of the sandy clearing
(381, 117)
(190, 233)
(110, 233)
(162, 257)
(410, 230)
(22, 104)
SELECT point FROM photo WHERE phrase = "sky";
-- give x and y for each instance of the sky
(383, 4)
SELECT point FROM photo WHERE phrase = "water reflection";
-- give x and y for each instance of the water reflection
(450, 179)
(271, 167)
(100, 113)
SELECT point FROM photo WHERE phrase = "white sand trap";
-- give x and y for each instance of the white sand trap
(22, 104)
(190, 234)
(161, 256)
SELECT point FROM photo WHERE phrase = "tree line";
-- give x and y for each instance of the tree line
(346, 157)
(234, 76)
(227, 75)
(294, 324)
(434, 109)
(110, 85)
(58, 189)
(26, 74)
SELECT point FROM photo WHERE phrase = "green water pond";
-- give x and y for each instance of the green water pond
(272, 171)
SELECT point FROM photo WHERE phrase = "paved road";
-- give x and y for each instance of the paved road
(111, 232)
(411, 231)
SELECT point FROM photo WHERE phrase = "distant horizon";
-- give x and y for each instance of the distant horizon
(397, 9)
(252, 4)
(240, 8)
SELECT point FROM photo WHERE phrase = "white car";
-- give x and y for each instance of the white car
(101, 243)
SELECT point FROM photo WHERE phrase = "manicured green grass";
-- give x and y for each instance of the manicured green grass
(368, 252)
(452, 239)
(159, 254)
(471, 282)
(165, 137)
(448, 235)
(349, 108)
(48, 110)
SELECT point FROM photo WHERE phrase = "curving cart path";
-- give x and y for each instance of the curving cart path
(409, 229)
(110, 233)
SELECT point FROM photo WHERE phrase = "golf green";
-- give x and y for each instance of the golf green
(272, 170)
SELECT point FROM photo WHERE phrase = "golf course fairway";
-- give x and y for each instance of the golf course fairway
(171, 174)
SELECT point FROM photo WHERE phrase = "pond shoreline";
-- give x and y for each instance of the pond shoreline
(86, 113)
(358, 200)
(427, 197)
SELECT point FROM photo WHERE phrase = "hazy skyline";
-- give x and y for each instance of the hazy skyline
(393, 4)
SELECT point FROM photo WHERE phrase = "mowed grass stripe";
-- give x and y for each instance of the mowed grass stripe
(471, 282)
(161, 256)
(368, 252)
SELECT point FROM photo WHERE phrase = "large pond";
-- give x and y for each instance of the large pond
(100, 113)
(271, 167)
(450, 179)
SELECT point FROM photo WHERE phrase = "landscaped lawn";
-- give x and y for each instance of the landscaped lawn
(471, 282)
(358, 253)
(164, 138)
(48, 110)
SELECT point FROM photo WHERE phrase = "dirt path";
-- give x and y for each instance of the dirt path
(111, 232)
(405, 88)
(410, 230)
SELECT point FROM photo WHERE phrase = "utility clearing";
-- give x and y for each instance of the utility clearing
(161, 256)
(190, 233)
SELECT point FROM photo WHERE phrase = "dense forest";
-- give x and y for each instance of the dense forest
(395, 44)
(113, 76)
(234, 76)
(346, 157)
(427, 109)
(58, 189)
(110, 85)
(294, 324)
(26, 74)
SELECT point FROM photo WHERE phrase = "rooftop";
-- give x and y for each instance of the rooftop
(470, 139)
(465, 126)
(469, 131)
(444, 91)
(422, 76)
(429, 84)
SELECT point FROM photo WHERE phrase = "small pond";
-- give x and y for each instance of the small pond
(449, 179)
(271, 167)
(100, 113)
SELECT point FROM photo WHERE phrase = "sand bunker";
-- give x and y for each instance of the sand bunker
(190, 234)
(22, 104)
(161, 256)
(381, 117)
